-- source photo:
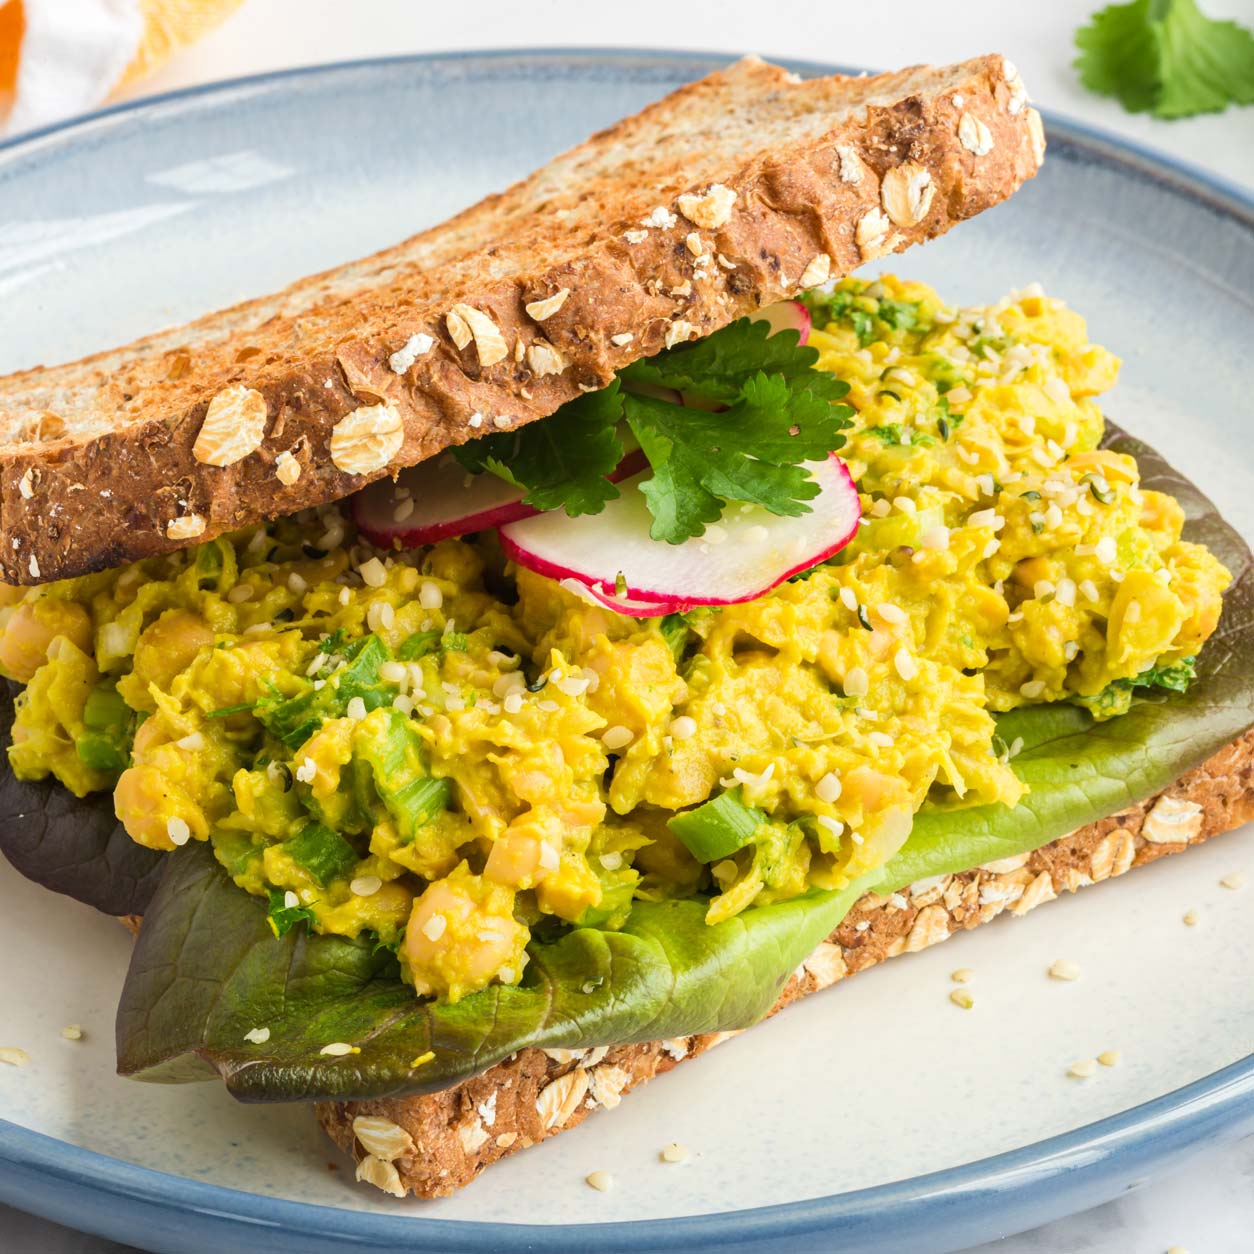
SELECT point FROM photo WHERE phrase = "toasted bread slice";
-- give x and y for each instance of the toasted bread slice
(434, 1145)
(732, 192)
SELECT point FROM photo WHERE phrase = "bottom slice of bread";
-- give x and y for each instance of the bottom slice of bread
(434, 1145)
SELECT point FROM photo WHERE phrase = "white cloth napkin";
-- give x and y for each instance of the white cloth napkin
(73, 54)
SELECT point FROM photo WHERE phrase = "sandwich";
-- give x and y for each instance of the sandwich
(495, 671)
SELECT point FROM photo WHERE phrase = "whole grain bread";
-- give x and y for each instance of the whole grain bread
(433, 1145)
(733, 192)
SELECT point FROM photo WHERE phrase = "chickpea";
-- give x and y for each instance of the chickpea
(461, 935)
(145, 803)
(9, 595)
(33, 626)
(169, 646)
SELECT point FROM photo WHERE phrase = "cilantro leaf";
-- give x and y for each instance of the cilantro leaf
(1166, 57)
(747, 452)
(720, 366)
(283, 918)
(564, 460)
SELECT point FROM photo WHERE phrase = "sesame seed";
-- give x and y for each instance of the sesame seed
(365, 886)
(611, 861)
(991, 547)
(906, 666)
(240, 593)
(828, 788)
(429, 595)
(683, 728)
(617, 737)
(290, 900)
(72, 1032)
(898, 902)
(1064, 969)
(1043, 588)
(857, 684)
(549, 858)
(1106, 551)
(1191, 917)
(890, 613)
(962, 997)
(177, 830)
(1233, 880)
(829, 824)
(602, 1181)
(257, 1036)
(344, 596)
(373, 573)
(881, 740)
(849, 599)
(1064, 593)
(1110, 1057)
(13, 1056)
(193, 742)
(356, 709)
(403, 703)
(986, 518)
(1033, 688)
(435, 927)
(962, 975)
(675, 1153)
(338, 1049)
(1082, 1069)
(935, 538)
(307, 771)
(905, 505)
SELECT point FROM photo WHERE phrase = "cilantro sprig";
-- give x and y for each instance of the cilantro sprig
(1166, 57)
(772, 411)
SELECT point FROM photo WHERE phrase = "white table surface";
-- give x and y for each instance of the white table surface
(1209, 1207)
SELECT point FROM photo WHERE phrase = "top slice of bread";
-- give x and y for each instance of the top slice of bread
(733, 192)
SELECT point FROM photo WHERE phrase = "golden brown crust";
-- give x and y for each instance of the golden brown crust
(448, 1138)
(99, 466)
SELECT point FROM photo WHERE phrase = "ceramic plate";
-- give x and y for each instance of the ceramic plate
(876, 1116)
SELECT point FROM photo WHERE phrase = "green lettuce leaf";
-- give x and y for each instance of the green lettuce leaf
(208, 968)
(72, 845)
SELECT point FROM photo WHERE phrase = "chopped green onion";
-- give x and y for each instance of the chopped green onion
(227, 710)
(719, 827)
(325, 854)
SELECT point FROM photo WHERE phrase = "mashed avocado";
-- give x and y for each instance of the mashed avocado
(449, 754)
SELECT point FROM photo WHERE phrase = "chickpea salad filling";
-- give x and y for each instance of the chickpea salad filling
(452, 753)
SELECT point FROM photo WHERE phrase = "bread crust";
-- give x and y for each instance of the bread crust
(448, 1138)
(102, 464)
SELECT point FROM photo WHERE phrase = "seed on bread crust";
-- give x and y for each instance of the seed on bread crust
(873, 234)
(709, 209)
(543, 358)
(367, 439)
(818, 271)
(188, 527)
(382, 1174)
(560, 1099)
(1036, 132)
(287, 468)
(382, 1138)
(907, 192)
(234, 426)
(850, 164)
(546, 308)
(974, 135)
(489, 342)
(678, 332)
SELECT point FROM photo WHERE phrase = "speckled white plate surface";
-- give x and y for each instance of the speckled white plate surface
(123, 224)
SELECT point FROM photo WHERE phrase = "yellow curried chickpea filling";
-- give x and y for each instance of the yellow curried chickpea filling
(448, 754)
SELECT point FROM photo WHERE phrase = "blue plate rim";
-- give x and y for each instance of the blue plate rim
(1108, 1148)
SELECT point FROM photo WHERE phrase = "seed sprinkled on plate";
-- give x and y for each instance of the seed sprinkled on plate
(962, 975)
(602, 1181)
(1082, 1068)
(1064, 969)
(962, 997)
(72, 1032)
(1233, 880)
(675, 1153)
(1110, 1057)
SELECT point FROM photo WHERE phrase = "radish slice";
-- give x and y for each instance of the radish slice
(447, 501)
(785, 315)
(743, 556)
